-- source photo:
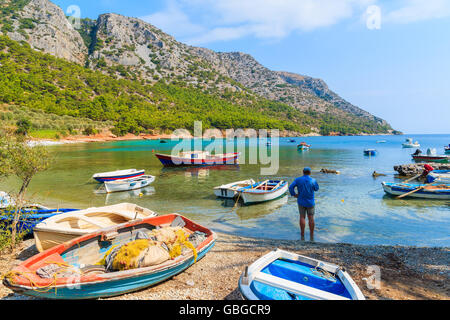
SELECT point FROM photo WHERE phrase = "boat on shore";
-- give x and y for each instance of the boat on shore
(128, 184)
(370, 152)
(410, 144)
(118, 175)
(263, 191)
(230, 190)
(427, 191)
(282, 275)
(198, 158)
(68, 226)
(87, 267)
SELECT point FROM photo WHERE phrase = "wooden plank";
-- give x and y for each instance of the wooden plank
(296, 288)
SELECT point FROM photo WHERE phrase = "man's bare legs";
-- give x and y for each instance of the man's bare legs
(312, 226)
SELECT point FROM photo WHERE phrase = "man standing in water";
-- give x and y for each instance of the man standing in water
(306, 186)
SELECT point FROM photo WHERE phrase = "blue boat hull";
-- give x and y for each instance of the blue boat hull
(114, 287)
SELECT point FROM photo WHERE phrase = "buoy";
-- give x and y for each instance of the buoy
(141, 195)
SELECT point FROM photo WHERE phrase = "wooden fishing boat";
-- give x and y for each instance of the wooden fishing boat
(282, 275)
(198, 158)
(29, 218)
(263, 191)
(432, 158)
(303, 146)
(442, 175)
(370, 152)
(231, 190)
(431, 191)
(128, 184)
(68, 226)
(118, 175)
(410, 144)
(81, 276)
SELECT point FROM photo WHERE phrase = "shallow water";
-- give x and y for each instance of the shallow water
(351, 207)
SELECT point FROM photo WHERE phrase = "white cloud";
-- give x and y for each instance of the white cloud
(419, 10)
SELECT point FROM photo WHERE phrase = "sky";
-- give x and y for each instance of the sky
(389, 57)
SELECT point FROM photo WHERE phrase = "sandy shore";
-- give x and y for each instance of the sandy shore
(406, 272)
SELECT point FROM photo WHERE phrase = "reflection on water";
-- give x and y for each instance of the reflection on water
(351, 207)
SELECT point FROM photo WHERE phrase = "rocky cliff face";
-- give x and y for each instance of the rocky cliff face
(129, 47)
(45, 27)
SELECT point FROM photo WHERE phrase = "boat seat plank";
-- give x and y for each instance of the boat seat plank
(91, 221)
(296, 288)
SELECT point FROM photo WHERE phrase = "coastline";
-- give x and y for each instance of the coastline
(108, 137)
(406, 272)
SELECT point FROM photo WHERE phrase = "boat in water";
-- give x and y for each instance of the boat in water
(431, 158)
(128, 184)
(67, 226)
(381, 141)
(439, 176)
(410, 144)
(426, 191)
(118, 175)
(230, 190)
(100, 264)
(282, 275)
(370, 152)
(198, 158)
(447, 149)
(263, 191)
(303, 146)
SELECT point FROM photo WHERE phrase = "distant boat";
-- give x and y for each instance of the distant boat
(441, 192)
(303, 146)
(263, 191)
(231, 190)
(381, 141)
(198, 158)
(427, 158)
(410, 144)
(70, 225)
(118, 175)
(292, 140)
(162, 141)
(128, 184)
(447, 149)
(370, 152)
(282, 275)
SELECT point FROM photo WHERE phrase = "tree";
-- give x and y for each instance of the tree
(23, 126)
(23, 161)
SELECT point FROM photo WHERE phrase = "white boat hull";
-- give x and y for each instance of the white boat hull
(229, 191)
(443, 177)
(129, 184)
(250, 197)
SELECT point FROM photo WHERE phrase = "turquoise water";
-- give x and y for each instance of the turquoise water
(351, 207)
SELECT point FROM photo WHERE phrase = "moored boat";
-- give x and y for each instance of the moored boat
(88, 267)
(67, 226)
(410, 144)
(263, 191)
(370, 152)
(441, 192)
(447, 149)
(231, 190)
(282, 275)
(198, 158)
(303, 146)
(428, 158)
(118, 175)
(441, 175)
(128, 184)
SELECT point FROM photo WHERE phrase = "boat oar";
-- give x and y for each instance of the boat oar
(416, 190)
(413, 178)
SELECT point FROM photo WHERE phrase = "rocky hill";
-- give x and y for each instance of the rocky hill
(124, 47)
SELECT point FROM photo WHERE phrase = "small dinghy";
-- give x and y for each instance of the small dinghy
(128, 184)
(67, 226)
(263, 191)
(198, 158)
(118, 175)
(441, 175)
(282, 275)
(231, 190)
(427, 191)
(370, 152)
(447, 149)
(410, 144)
(303, 146)
(113, 261)
(29, 218)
